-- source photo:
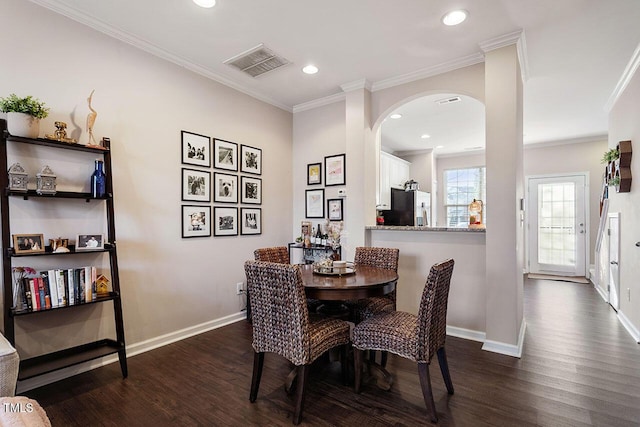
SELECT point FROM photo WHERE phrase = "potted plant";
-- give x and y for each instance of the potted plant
(23, 115)
(610, 156)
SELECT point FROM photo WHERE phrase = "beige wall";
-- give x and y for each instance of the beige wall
(169, 285)
(624, 125)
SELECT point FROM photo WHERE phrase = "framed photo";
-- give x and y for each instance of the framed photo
(334, 170)
(225, 188)
(226, 221)
(89, 242)
(225, 155)
(196, 221)
(314, 173)
(196, 185)
(28, 243)
(251, 221)
(196, 149)
(250, 160)
(251, 190)
(314, 206)
(334, 209)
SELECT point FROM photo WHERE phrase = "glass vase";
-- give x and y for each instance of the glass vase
(98, 181)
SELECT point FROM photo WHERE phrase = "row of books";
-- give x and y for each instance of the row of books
(59, 288)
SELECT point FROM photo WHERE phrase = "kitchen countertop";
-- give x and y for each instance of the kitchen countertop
(412, 228)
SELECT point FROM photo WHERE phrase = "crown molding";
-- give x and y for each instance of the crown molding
(144, 45)
(626, 77)
(501, 41)
(356, 85)
(423, 73)
(579, 140)
(337, 97)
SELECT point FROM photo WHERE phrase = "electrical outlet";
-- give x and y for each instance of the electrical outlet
(239, 288)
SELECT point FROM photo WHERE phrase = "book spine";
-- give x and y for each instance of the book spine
(26, 295)
(34, 297)
(62, 296)
(47, 289)
(53, 288)
(94, 288)
(78, 286)
(41, 295)
(70, 286)
(87, 284)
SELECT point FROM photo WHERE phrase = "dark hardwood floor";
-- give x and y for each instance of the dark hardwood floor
(579, 368)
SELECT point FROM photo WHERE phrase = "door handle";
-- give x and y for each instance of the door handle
(614, 263)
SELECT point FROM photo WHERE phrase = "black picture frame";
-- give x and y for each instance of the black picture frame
(314, 203)
(196, 149)
(335, 170)
(225, 188)
(196, 185)
(335, 209)
(314, 173)
(250, 160)
(196, 221)
(250, 221)
(225, 221)
(225, 155)
(250, 190)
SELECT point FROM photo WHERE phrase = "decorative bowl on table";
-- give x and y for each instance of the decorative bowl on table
(333, 268)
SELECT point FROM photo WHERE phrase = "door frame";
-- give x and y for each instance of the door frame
(529, 207)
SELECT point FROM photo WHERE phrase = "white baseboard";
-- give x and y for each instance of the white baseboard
(633, 331)
(602, 293)
(132, 350)
(466, 334)
(507, 349)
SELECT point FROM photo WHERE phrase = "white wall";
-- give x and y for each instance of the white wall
(168, 283)
(624, 125)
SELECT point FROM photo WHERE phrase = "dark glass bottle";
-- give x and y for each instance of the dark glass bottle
(98, 181)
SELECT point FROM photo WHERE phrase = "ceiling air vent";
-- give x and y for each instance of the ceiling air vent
(448, 100)
(257, 61)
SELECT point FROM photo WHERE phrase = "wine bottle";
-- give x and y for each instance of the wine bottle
(313, 236)
(319, 235)
(98, 181)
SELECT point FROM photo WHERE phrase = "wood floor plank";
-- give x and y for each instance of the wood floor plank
(579, 368)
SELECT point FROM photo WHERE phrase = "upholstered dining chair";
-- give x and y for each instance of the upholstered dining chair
(281, 325)
(413, 337)
(279, 254)
(376, 257)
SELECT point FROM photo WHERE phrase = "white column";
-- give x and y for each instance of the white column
(505, 183)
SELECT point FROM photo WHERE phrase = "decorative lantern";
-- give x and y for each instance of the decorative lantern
(46, 181)
(475, 214)
(17, 178)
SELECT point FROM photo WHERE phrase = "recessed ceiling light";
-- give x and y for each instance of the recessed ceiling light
(205, 3)
(395, 116)
(425, 136)
(310, 69)
(454, 17)
(439, 146)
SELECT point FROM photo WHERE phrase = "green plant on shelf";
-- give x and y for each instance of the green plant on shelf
(610, 156)
(29, 105)
(615, 181)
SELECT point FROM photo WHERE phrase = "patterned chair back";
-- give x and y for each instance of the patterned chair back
(280, 317)
(377, 257)
(432, 315)
(278, 254)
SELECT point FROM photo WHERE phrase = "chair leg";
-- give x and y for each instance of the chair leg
(383, 358)
(344, 365)
(258, 362)
(372, 356)
(303, 373)
(357, 366)
(444, 368)
(427, 393)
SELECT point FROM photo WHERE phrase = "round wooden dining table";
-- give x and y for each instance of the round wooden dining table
(364, 283)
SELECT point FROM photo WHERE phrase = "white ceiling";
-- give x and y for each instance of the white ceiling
(576, 50)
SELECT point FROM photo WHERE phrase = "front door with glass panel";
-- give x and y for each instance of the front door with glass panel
(557, 225)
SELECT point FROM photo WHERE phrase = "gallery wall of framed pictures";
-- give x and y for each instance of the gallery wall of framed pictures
(316, 207)
(236, 180)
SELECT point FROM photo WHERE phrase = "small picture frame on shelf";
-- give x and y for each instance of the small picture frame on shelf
(335, 170)
(334, 209)
(314, 173)
(226, 221)
(196, 149)
(225, 188)
(225, 155)
(250, 160)
(314, 203)
(251, 221)
(89, 242)
(196, 221)
(251, 190)
(28, 243)
(196, 185)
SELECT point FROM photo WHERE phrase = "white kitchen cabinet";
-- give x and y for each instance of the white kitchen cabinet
(394, 172)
